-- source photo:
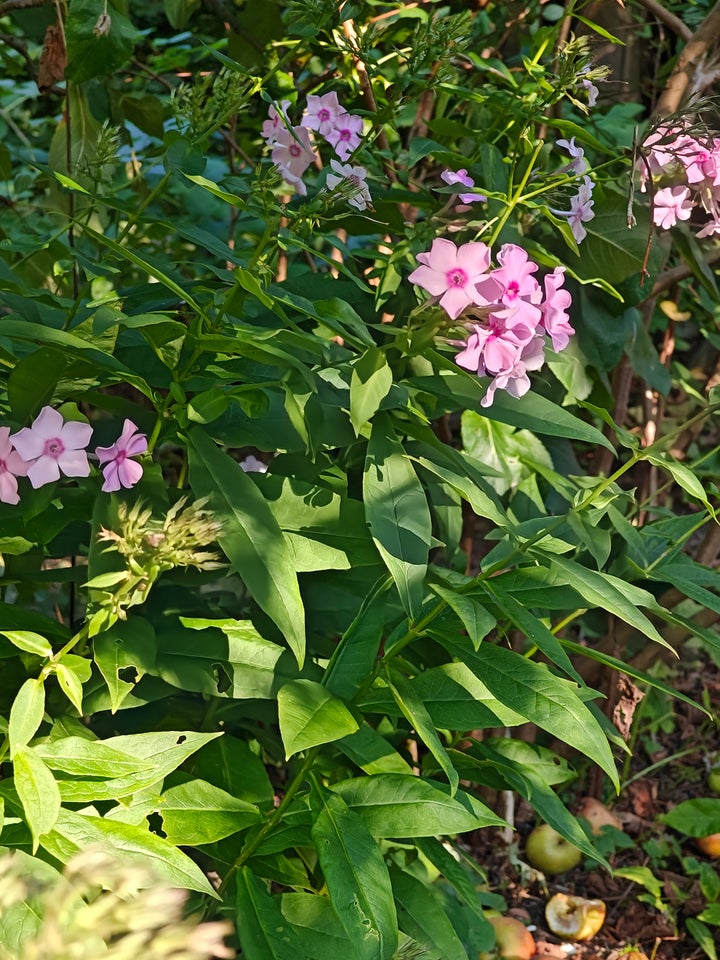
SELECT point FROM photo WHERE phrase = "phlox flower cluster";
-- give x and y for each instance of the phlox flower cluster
(292, 149)
(687, 171)
(516, 316)
(581, 205)
(52, 447)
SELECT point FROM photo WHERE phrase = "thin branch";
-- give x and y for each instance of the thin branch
(669, 19)
(689, 60)
(670, 277)
(21, 5)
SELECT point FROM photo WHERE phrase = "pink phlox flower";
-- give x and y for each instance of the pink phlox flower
(355, 178)
(555, 319)
(520, 289)
(670, 205)
(12, 466)
(292, 153)
(702, 164)
(490, 349)
(592, 91)
(515, 380)
(578, 164)
(458, 276)
(581, 209)
(346, 134)
(52, 446)
(277, 120)
(451, 177)
(119, 469)
(323, 113)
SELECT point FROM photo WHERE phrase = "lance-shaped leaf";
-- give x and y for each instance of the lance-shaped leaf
(421, 915)
(75, 831)
(251, 537)
(310, 715)
(397, 511)
(356, 877)
(38, 792)
(416, 713)
(263, 931)
(26, 714)
(369, 385)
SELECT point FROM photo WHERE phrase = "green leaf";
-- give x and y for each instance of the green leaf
(416, 713)
(370, 751)
(164, 750)
(310, 715)
(421, 916)
(356, 877)
(606, 592)
(236, 663)
(369, 385)
(92, 54)
(29, 642)
(26, 715)
(197, 812)
(403, 805)
(357, 649)
(694, 818)
(37, 791)
(250, 536)
(72, 672)
(398, 513)
(683, 476)
(263, 931)
(319, 931)
(533, 628)
(82, 758)
(127, 644)
(74, 832)
(541, 697)
(474, 617)
(703, 936)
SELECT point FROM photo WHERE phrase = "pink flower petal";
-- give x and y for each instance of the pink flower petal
(74, 463)
(43, 470)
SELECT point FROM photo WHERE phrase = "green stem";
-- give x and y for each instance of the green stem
(135, 216)
(254, 842)
(517, 195)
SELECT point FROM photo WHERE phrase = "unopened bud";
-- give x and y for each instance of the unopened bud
(103, 25)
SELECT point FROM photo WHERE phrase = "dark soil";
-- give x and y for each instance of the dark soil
(674, 745)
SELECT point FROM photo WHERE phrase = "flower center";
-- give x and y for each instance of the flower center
(53, 448)
(323, 115)
(295, 150)
(121, 456)
(3, 466)
(512, 290)
(456, 277)
(345, 134)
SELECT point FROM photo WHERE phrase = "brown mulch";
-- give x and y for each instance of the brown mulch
(673, 746)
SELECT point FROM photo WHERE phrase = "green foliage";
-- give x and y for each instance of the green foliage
(294, 681)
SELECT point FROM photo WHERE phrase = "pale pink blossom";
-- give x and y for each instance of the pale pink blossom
(515, 379)
(555, 319)
(52, 446)
(355, 180)
(702, 164)
(292, 153)
(578, 164)
(458, 276)
(251, 464)
(581, 210)
(591, 89)
(119, 469)
(346, 134)
(12, 466)
(323, 113)
(670, 205)
(520, 288)
(451, 177)
(277, 121)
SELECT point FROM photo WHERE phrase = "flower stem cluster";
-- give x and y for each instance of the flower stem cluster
(293, 150)
(685, 171)
(149, 546)
(508, 333)
(52, 446)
